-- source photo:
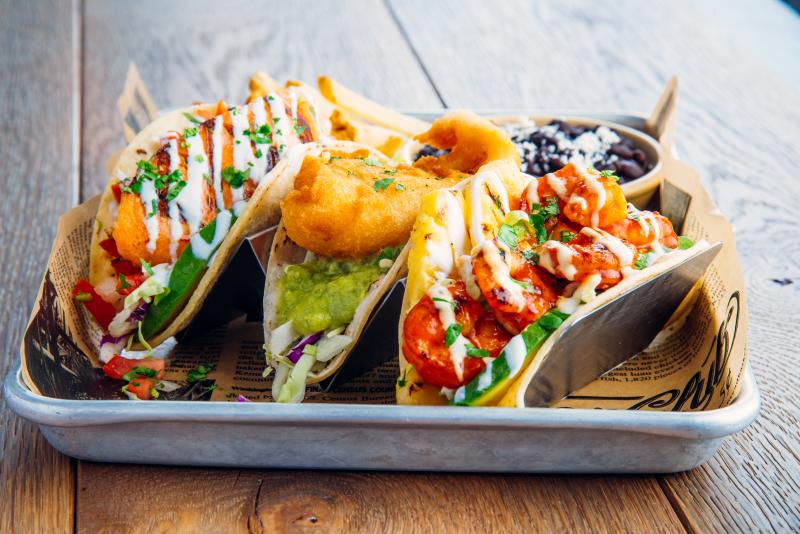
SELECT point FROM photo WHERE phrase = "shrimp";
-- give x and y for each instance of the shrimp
(535, 287)
(584, 256)
(647, 229)
(424, 338)
(585, 196)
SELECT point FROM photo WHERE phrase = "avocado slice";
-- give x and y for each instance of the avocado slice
(185, 277)
(487, 388)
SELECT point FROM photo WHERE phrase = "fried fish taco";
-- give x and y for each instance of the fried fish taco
(498, 265)
(341, 244)
(182, 196)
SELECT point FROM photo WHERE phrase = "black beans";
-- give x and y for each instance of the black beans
(546, 149)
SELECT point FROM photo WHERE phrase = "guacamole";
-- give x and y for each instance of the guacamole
(323, 294)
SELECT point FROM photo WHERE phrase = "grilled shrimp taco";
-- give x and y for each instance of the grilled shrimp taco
(181, 197)
(340, 245)
(498, 265)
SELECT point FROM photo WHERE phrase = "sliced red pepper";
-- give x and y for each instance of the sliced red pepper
(141, 387)
(110, 246)
(102, 311)
(131, 282)
(125, 267)
(117, 367)
(117, 190)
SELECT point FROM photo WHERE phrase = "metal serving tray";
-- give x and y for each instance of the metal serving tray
(403, 438)
(380, 437)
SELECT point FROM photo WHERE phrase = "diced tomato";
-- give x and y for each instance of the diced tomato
(132, 281)
(117, 367)
(117, 190)
(125, 267)
(110, 246)
(102, 311)
(141, 387)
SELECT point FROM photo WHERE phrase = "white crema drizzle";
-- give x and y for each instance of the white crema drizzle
(458, 349)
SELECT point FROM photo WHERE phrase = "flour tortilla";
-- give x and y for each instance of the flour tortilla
(262, 210)
(514, 397)
(286, 252)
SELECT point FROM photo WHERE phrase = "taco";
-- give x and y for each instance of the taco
(340, 245)
(498, 265)
(182, 196)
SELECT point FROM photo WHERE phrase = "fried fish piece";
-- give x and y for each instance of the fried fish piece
(353, 205)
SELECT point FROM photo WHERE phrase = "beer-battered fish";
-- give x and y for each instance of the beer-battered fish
(351, 205)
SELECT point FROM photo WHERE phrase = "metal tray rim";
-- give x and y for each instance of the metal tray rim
(78, 413)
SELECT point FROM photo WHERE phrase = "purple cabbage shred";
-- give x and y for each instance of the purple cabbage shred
(297, 351)
(138, 313)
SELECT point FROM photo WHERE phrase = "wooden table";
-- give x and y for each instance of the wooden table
(62, 65)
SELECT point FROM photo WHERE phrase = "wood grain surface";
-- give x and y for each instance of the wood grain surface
(738, 123)
(299, 501)
(203, 60)
(38, 181)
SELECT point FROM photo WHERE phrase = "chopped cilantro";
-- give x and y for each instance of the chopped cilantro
(389, 253)
(153, 207)
(334, 158)
(390, 172)
(401, 382)
(84, 297)
(475, 352)
(525, 285)
(139, 371)
(382, 184)
(642, 261)
(200, 372)
(206, 177)
(260, 136)
(609, 174)
(174, 190)
(235, 178)
(258, 156)
(372, 162)
(123, 282)
(199, 158)
(299, 129)
(450, 302)
(452, 333)
(190, 132)
(191, 118)
(531, 256)
(567, 236)
(511, 235)
(684, 242)
(540, 214)
(400, 187)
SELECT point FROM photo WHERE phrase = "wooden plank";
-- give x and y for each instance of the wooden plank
(39, 182)
(737, 122)
(189, 51)
(212, 500)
